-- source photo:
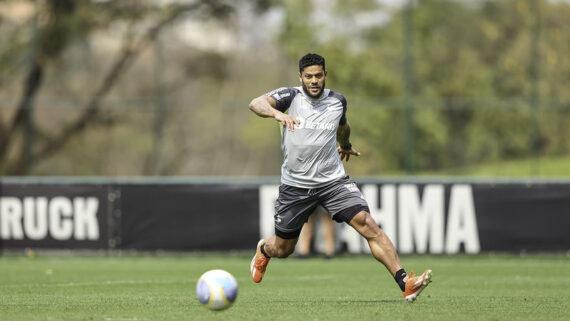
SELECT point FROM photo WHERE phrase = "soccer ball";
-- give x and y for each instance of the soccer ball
(217, 289)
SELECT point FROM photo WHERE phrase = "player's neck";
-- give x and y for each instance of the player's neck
(319, 97)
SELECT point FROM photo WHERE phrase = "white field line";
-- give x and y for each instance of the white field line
(75, 284)
(142, 282)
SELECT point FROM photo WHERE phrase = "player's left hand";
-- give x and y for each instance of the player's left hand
(345, 154)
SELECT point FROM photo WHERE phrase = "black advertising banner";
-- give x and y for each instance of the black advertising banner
(189, 217)
(57, 216)
(518, 217)
(418, 216)
(451, 218)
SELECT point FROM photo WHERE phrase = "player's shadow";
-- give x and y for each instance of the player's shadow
(339, 301)
(367, 301)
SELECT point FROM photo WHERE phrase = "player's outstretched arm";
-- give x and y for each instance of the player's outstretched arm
(264, 106)
(343, 137)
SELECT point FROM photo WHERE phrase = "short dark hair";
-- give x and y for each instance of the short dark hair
(311, 59)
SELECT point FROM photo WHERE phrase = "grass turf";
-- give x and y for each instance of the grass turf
(162, 287)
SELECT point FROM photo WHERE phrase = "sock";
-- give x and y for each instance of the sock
(400, 275)
(263, 251)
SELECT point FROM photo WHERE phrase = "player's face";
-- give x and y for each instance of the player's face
(313, 80)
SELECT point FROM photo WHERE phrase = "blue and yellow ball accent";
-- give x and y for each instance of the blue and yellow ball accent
(203, 292)
(217, 289)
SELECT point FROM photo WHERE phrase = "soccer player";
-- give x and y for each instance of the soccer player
(312, 173)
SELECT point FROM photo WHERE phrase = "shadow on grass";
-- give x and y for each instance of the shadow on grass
(336, 301)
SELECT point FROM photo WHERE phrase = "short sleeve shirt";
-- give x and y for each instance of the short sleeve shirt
(310, 157)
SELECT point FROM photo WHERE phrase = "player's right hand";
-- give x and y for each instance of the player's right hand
(287, 120)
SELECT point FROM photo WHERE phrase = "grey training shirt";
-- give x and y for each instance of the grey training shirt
(310, 157)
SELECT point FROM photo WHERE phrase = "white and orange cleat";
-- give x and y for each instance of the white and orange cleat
(258, 263)
(416, 284)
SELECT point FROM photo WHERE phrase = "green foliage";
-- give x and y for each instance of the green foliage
(473, 80)
(53, 56)
(490, 84)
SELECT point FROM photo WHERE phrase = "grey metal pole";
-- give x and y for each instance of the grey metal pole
(408, 99)
(159, 107)
(30, 128)
(534, 90)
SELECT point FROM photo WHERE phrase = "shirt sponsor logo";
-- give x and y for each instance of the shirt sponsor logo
(308, 124)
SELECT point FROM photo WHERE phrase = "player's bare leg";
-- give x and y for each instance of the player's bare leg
(380, 245)
(279, 247)
(383, 250)
(266, 249)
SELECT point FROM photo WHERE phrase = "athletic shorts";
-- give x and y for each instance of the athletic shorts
(341, 199)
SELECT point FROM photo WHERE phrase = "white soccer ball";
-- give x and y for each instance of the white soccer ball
(217, 289)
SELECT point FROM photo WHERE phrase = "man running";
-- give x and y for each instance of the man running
(312, 173)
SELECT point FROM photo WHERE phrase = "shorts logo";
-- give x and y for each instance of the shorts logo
(278, 219)
(352, 187)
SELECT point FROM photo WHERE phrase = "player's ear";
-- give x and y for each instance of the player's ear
(300, 77)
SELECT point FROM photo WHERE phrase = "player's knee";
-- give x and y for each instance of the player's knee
(369, 221)
(363, 219)
(365, 224)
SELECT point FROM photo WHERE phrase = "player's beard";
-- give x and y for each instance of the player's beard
(306, 90)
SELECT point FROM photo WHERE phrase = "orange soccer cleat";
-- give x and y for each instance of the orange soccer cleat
(258, 263)
(415, 284)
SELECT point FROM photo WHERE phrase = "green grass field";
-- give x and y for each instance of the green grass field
(162, 287)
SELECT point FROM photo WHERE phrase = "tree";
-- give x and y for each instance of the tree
(60, 22)
(473, 77)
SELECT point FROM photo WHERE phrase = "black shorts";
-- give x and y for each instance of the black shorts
(341, 199)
